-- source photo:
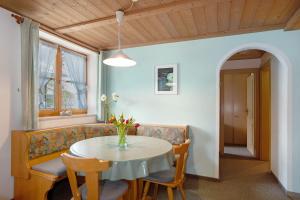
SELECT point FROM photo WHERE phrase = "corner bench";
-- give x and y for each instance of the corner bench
(36, 163)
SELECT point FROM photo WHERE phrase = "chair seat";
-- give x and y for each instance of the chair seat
(55, 167)
(165, 176)
(109, 190)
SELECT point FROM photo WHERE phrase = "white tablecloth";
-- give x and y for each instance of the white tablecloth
(143, 155)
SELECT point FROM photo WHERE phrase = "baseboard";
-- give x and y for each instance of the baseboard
(234, 145)
(226, 155)
(203, 177)
(292, 195)
(279, 183)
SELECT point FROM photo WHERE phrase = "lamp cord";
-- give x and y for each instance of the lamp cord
(129, 8)
(119, 35)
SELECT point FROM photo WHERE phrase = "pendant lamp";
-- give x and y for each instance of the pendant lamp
(119, 59)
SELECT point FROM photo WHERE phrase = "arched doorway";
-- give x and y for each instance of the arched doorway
(282, 108)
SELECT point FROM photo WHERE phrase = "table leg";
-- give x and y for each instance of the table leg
(133, 188)
(140, 188)
(135, 191)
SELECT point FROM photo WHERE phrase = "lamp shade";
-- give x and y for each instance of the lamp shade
(119, 59)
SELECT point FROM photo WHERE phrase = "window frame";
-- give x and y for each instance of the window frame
(58, 83)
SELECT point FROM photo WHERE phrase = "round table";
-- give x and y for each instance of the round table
(143, 155)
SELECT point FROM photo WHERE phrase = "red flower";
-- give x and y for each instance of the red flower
(127, 121)
(136, 125)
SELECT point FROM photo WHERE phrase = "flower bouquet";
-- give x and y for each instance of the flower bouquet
(122, 126)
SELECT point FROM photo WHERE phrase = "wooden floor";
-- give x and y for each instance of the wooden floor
(241, 180)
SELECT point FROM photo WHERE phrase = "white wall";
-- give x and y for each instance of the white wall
(10, 104)
(279, 165)
(241, 64)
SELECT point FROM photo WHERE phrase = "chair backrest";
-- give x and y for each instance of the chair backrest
(182, 152)
(91, 168)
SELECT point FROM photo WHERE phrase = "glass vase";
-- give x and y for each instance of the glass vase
(122, 137)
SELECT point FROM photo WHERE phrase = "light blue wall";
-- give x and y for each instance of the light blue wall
(196, 103)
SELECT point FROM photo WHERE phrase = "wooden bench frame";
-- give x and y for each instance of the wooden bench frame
(30, 184)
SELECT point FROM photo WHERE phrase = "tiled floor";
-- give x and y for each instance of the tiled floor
(237, 150)
(240, 180)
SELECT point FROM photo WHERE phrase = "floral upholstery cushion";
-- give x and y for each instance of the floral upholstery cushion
(175, 135)
(51, 141)
(97, 131)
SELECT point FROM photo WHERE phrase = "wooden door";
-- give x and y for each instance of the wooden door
(265, 111)
(235, 107)
(240, 108)
(228, 108)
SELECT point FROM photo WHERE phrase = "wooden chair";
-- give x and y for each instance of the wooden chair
(110, 190)
(173, 178)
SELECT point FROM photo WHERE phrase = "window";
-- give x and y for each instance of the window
(62, 80)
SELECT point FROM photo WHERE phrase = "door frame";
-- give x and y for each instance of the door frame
(265, 155)
(256, 72)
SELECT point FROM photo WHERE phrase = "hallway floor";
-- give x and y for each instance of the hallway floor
(241, 180)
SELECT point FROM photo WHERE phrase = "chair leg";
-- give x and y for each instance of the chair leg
(155, 191)
(170, 193)
(135, 190)
(182, 192)
(146, 189)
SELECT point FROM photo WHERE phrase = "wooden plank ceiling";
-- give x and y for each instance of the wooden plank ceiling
(92, 22)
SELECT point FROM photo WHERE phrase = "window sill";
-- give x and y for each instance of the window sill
(66, 117)
(61, 121)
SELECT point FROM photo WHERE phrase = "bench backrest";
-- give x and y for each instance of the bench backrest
(174, 134)
(44, 142)
(49, 141)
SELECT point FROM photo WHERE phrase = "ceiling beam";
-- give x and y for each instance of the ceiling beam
(69, 38)
(294, 22)
(53, 32)
(136, 14)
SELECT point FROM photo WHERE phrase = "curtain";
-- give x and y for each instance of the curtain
(75, 65)
(100, 89)
(46, 66)
(30, 73)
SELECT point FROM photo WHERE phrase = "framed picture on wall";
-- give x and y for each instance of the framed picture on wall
(166, 79)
